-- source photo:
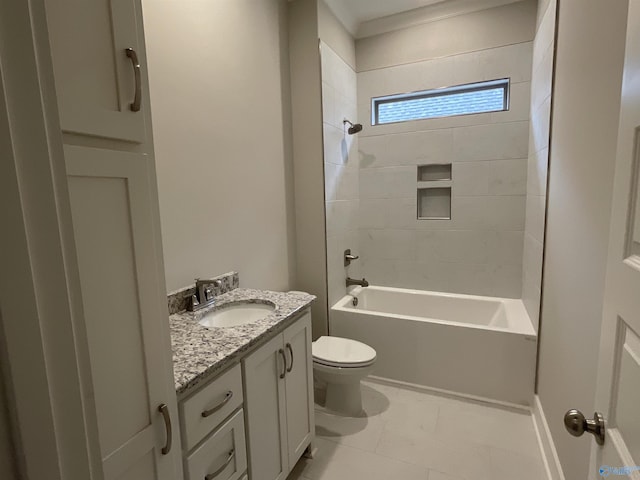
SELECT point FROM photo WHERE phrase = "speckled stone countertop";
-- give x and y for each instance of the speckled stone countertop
(199, 352)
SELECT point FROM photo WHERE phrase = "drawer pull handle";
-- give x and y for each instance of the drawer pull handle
(166, 416)
(284, 363)
(211, 411)
(290, 348)
(137, 99)
(213, 475)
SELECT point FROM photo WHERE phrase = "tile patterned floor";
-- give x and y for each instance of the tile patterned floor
(409, 435)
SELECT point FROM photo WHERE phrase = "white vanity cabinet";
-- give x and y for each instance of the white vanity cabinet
(256, 415)
(278, 383)
(100, 70)
(213, 430)
(122, 338)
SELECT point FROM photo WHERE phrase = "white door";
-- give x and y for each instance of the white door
(112, 208)
(299, 387)
(618, 388)
(264, 374)
(96, 82)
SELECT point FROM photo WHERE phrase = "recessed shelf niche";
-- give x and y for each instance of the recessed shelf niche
(435, 172)
(434, 203)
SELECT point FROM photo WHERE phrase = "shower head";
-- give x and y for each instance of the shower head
(354, 128)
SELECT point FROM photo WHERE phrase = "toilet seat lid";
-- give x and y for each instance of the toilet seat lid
(342, 351)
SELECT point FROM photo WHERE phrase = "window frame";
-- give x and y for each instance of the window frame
(505, 83)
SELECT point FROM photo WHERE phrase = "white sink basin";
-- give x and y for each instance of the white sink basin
(238, 314)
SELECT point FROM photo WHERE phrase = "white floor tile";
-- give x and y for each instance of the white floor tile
(340, 462)
(461, 459)
(436, 475)
(363, 432)
(507, 465)
(487, 426)
(405, 434)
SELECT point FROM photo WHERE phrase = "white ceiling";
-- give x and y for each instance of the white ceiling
(354, 12)
(364, 18)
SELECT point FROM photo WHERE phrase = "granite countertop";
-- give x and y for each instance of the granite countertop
(199, 352)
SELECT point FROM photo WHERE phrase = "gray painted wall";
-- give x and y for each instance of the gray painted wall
(222, 137)
(306, 114)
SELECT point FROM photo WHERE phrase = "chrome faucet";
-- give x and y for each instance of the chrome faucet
(351, 282)
(204, 296)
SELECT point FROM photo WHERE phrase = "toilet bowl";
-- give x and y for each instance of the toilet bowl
(341, 363)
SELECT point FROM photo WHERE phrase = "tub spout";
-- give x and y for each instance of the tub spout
(351, 282)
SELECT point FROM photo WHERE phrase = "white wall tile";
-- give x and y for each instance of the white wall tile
(540, 124)
(494, 177)
(491, 142)
(373, 152)
(507, 248)
(544, 35)
(328, 103)
(537, 164)
(388, 182)
(532, 259)
(331, 179)
(388, 244)
(480, 250)
(388, 213)
(519, 103)
(542, 78)
(541, 90)
(531, 294)
(508, 177)
(482, 213)
(341, 169)
(513, 61)
(348, 185)
(374, 83)
(535, 215)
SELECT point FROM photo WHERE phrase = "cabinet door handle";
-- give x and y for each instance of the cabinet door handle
(213, 475)
(137, 99)
(284, 363)
(166, 415)
(211, 411)
(290, 348)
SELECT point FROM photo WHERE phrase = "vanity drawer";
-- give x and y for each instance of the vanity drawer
(223, 456)
(204, 411)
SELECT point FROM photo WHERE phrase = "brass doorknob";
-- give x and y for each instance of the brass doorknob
(576, 424)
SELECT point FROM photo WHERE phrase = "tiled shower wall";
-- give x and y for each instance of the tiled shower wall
(339, 101)
(480, 249)
(541, 89)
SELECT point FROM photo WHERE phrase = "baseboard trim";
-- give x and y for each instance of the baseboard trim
(547, 447)
(450, 394)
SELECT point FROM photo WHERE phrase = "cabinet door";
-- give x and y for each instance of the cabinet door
(125, 314)
(265, 406)
(95, 80)
(299, 388)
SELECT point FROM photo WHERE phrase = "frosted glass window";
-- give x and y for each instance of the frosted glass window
(492, 96)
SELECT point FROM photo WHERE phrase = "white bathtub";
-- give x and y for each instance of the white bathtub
(479, 346)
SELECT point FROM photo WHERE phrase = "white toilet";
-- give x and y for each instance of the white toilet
(341, 363)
